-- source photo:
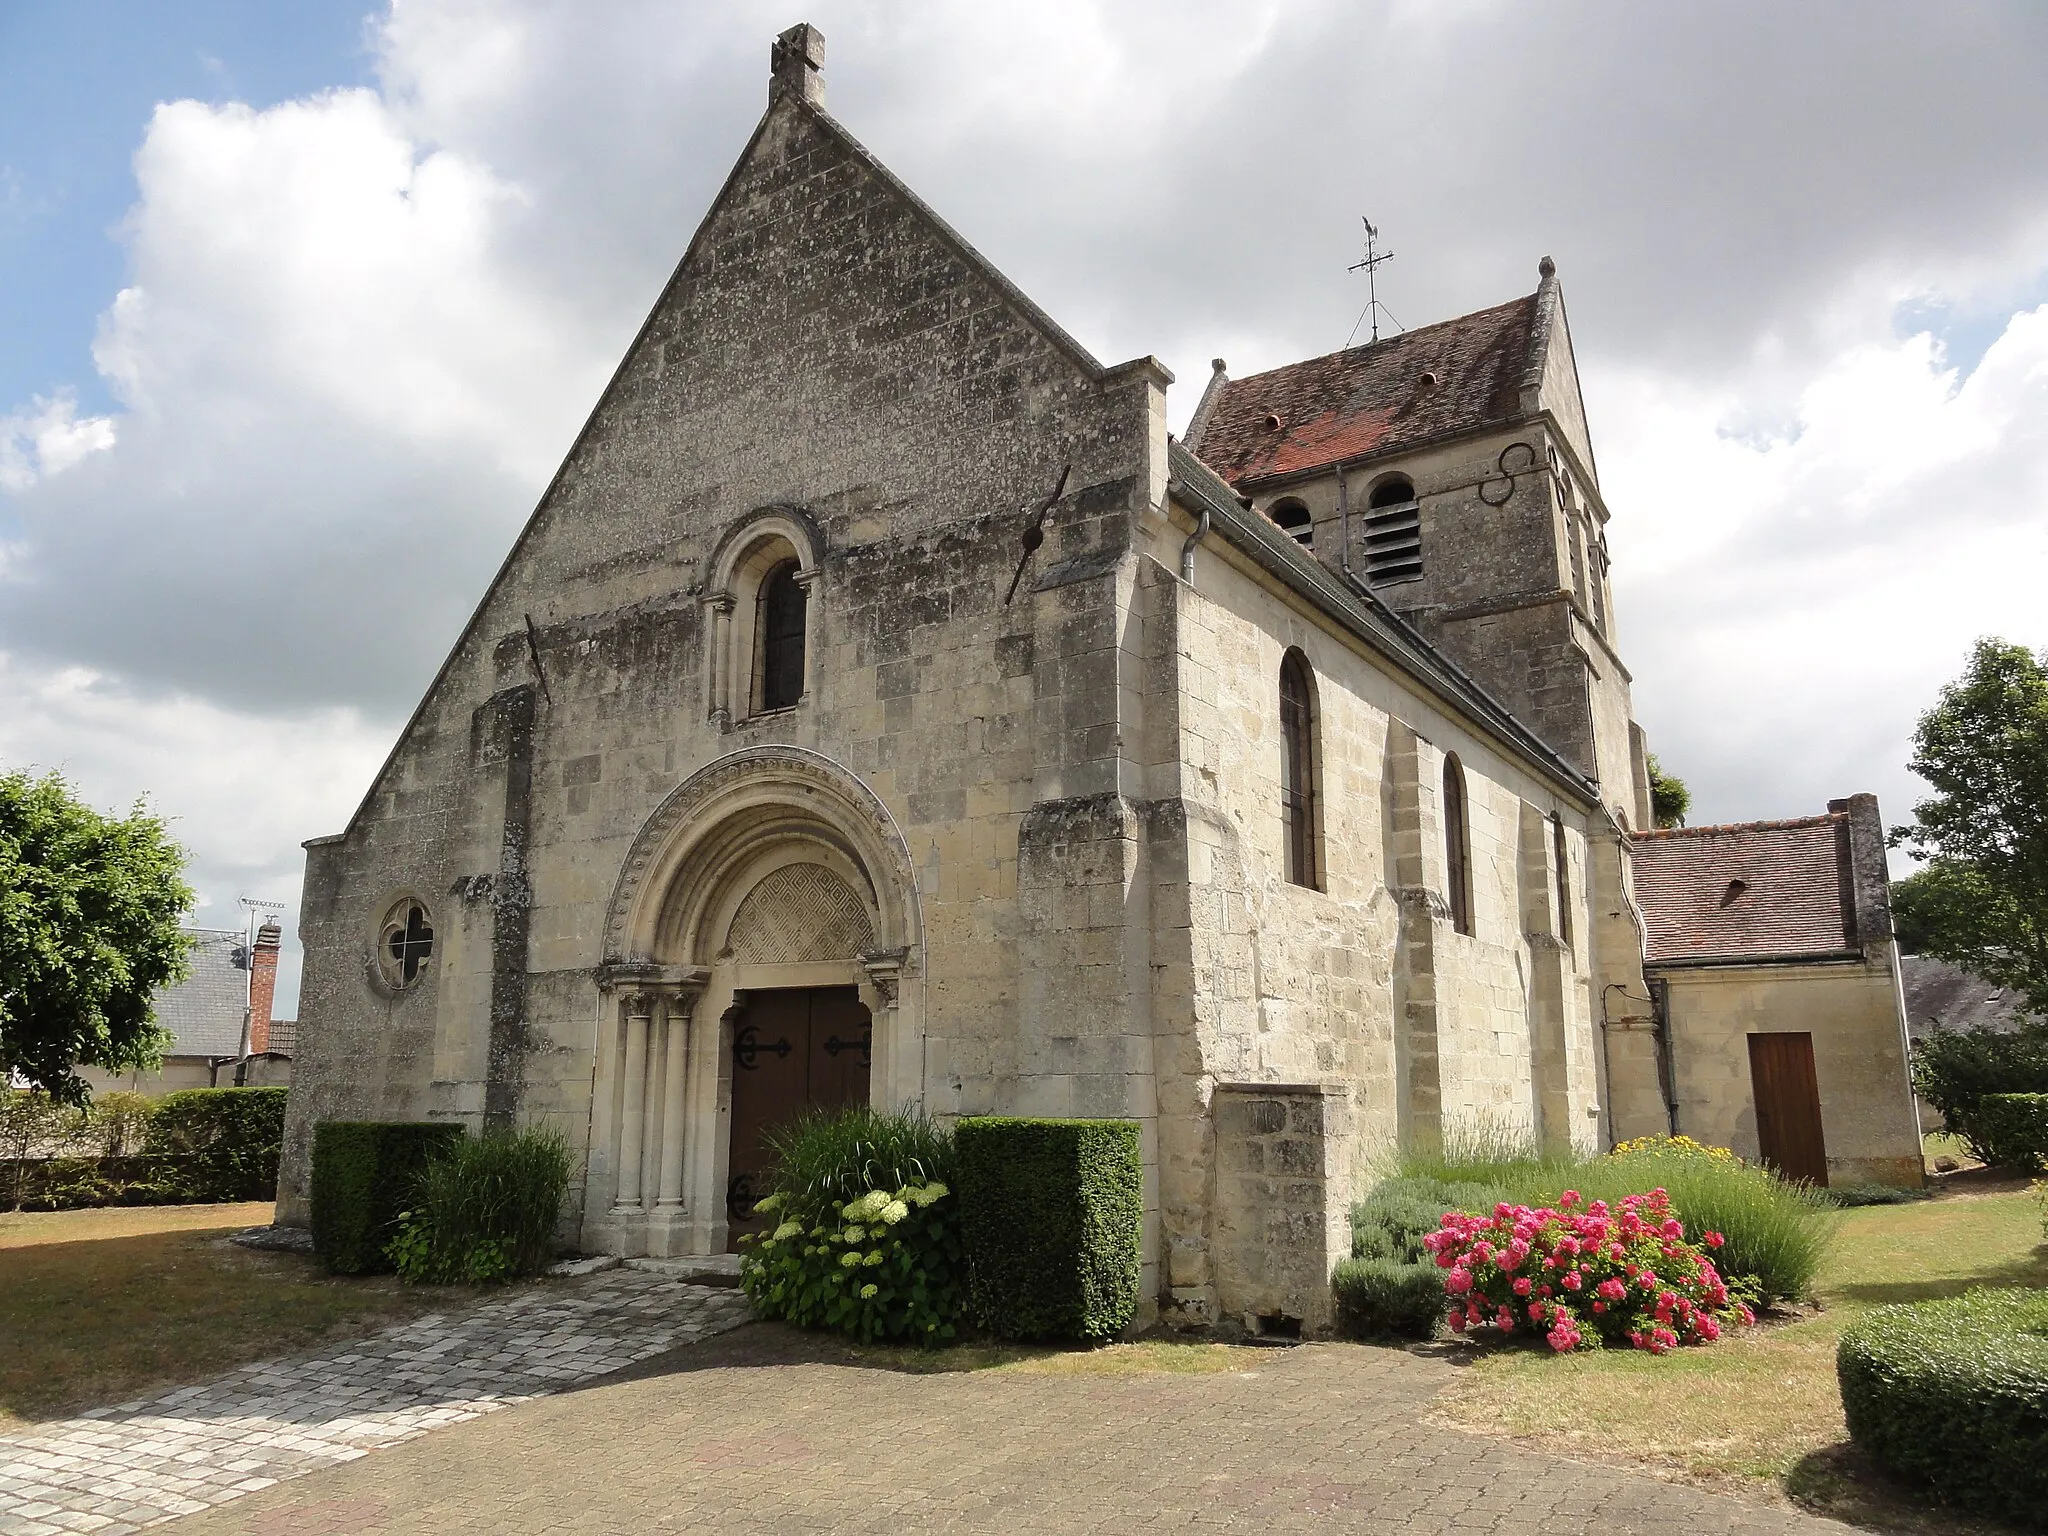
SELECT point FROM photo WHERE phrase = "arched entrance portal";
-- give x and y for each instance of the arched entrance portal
(760, 959)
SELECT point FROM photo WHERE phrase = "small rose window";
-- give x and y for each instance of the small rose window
(406, 944)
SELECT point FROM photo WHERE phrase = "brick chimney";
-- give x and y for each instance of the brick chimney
(262, 985)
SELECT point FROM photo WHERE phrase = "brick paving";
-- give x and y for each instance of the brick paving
(118, 1469)
(762, 1430)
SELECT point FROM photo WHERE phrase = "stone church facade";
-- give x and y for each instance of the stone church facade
(1280, 797)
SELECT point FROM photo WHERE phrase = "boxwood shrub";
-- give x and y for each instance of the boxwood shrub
(1050, 1211)
(1954, 1394)
(365, 1172)
(2011, 1129)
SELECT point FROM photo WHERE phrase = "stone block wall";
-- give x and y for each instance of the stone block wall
(1851, 1008)
(1285, 1165)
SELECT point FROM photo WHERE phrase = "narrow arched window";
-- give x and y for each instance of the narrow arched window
(1393, 531)
(1564, 880)
(1298, 768)
(1457, 846)
(1294, 520)
(782, 611)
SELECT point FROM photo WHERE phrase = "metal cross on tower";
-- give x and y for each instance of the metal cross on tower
(1374, 260)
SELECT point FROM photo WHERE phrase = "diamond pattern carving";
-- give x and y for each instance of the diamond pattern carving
(799, 912)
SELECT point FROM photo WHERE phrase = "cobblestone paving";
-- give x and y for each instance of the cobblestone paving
(762, 1431)
(118, 1469)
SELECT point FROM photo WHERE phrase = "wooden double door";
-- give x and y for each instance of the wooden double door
(1788, 1126)
(792, 1051)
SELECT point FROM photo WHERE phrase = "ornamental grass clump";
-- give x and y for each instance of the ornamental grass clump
(484, 1209)
(1581, 1275)
(866, 1238)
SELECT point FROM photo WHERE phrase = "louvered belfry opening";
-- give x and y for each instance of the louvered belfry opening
(1393, 532)
(1297, 769)
(783, 603)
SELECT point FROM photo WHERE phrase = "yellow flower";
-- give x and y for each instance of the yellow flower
(848, 1260)
(867, 1292)
(894, 1212)
(873, 1259)
(787, 1229)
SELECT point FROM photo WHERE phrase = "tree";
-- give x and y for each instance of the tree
(1669, 798)
(1982, 900)
(89, 909)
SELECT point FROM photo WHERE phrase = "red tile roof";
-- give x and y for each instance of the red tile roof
(1746, 890)
(1373, 399)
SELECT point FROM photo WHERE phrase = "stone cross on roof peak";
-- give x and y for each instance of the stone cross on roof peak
(796, 64)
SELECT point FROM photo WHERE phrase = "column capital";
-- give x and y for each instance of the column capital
(626, 978)
(885, 968)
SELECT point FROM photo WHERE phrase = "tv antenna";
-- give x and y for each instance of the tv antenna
(1375, 258)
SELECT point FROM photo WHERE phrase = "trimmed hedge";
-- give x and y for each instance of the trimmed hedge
(2012, 1130)
(1387, 1298)
(1954, 1394)
(1956, 1070)
(194, 1147)
(218, 1143)
(365, 1172)
(1050, 1212)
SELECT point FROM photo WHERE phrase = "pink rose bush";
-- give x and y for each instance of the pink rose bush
(1584, 1275)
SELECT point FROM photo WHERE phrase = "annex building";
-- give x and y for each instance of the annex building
(1278, 789)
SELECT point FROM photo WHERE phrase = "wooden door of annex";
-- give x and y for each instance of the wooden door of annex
(1788, 1126)
(792, 1050)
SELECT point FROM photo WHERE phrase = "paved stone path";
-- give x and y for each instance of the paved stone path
(763, 1430)
(117, 1469)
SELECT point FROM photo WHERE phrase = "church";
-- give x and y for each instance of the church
(881, 706)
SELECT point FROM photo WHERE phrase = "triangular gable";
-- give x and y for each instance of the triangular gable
(638, 406)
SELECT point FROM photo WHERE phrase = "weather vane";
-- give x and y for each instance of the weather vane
(1374, 260)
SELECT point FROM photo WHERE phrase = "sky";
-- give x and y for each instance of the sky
(301, 305)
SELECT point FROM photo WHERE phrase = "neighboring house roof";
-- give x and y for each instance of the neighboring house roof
(205, 1011)
(1940, 996)
(1374, 399)
(284, 1037)
(1751, 890)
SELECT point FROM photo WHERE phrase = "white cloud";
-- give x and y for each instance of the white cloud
(48, 438)
(1791, 603)
(241, 790)
(360, 328)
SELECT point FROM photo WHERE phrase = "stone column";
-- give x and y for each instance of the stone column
(719, 684)
(675, 1064)
(885, 975)
(633, 1114)
(808, 581)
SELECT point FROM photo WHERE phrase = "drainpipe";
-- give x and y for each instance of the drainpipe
(1187, 550)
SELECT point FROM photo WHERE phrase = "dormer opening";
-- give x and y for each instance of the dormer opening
(1393, 532)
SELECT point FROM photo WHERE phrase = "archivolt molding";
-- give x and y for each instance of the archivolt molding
(681, 876)
(792, 525)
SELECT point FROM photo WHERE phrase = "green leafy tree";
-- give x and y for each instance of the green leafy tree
(89, 909)
(1981, 902)
(1669, 798)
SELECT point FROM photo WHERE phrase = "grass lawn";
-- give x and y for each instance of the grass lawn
(101, 1306)
(1763, 1405)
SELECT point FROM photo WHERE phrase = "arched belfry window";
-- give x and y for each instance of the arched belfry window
(1298, 770)
(1294, 520)
(1457, 845)
(1393, 531)
(760, 617)
(779, 651)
